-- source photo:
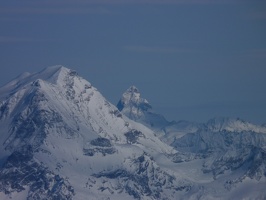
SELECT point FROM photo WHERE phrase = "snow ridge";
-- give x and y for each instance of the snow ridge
(233, 125)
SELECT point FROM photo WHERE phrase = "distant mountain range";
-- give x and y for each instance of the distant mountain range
(61, 139)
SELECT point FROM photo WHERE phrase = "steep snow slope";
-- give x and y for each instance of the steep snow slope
(62, 139)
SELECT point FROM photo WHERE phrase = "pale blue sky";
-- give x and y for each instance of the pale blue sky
(192, 59)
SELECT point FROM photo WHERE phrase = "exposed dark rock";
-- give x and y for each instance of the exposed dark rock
(145, 179)
(133, 135)
(22, 171)
(101, 142)
(103, 151)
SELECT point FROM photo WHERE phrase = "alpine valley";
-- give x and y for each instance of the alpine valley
(61, 139)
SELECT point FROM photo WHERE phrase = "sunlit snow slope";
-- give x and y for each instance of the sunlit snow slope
(61, 139)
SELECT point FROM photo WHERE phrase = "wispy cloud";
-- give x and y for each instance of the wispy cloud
(16, 19)
(156, 49)
(150, 1)
(54, 7)
(101, 7)
(89, 6)
(10, 39)
(54, 10)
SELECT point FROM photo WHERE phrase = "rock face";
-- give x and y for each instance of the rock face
(143, 178)
(138, 109)
(22, 172)
(61, 139)
(132, 103)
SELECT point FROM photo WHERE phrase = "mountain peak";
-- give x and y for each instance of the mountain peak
(131, 100)
(133, 89)
(54, 68)
(138, 109)
(54, 74)
(233, 125)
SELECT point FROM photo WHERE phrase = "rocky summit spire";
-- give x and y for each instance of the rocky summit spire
(138, 109)
(132, 105)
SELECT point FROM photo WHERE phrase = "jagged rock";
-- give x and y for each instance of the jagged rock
(144, 179)
(22, 171)
(138, 109)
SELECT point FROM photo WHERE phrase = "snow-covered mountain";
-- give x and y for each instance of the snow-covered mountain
(233, 125)
(228, 151)
(61, 139)
(236, 158)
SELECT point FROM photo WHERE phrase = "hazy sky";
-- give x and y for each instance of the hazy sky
(192, 59)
